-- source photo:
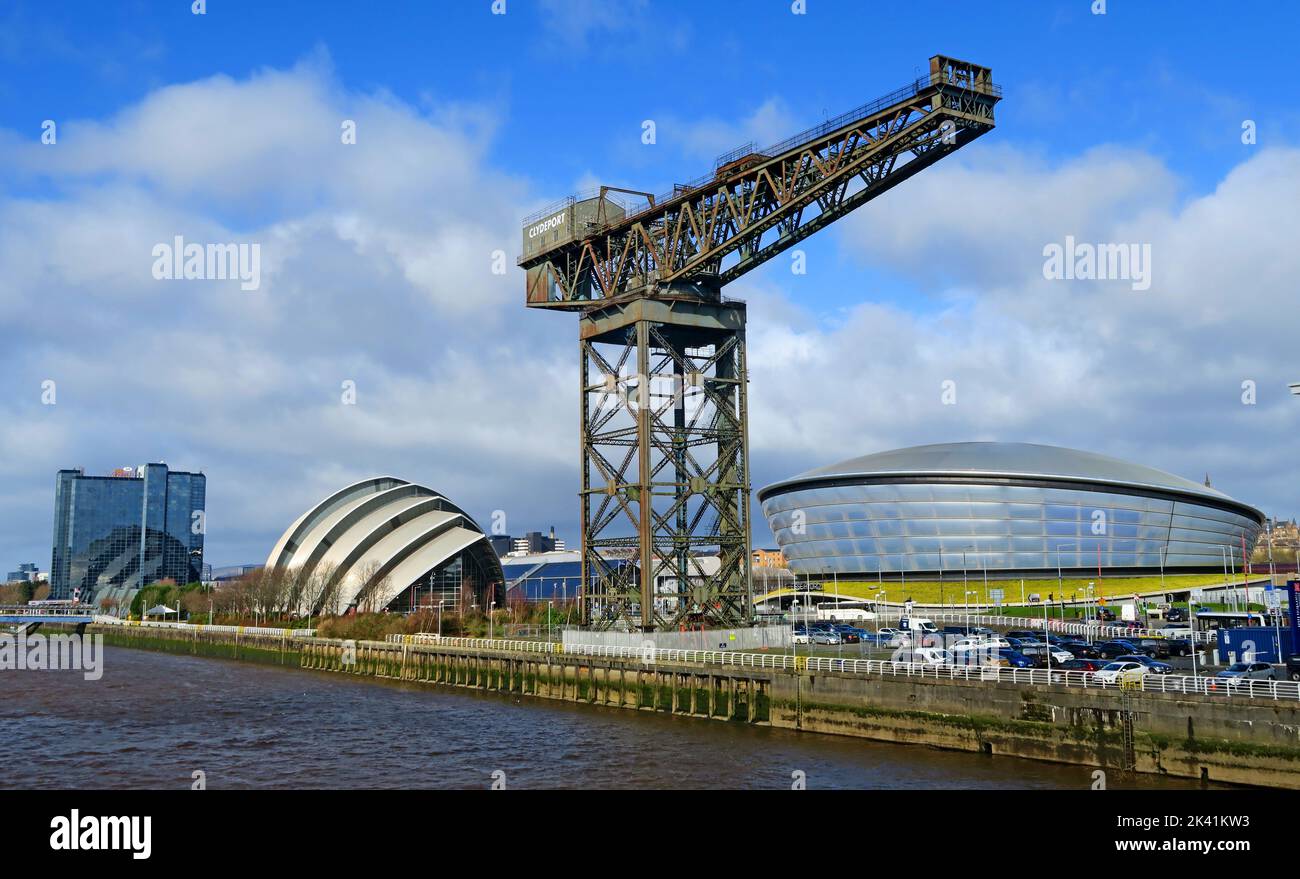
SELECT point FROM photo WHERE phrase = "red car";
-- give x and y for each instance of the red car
(1079, 664)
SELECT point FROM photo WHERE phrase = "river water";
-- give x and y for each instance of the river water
(154, 719)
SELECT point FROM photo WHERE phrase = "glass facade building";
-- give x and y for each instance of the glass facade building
(1002, 507)
(114, 534)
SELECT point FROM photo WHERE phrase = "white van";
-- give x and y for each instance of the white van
(918, 624)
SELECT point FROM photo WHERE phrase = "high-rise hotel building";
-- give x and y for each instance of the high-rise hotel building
(114, 534)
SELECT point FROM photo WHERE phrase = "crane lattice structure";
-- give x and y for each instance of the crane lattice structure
(665, 448)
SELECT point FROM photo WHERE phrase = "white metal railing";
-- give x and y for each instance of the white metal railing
(1061, 626)
(1152, 683)
(56, 610)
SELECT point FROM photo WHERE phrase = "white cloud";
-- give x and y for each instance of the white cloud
(771, 122)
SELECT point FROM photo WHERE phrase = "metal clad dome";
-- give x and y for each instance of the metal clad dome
(1005, 459)
(1001, 506)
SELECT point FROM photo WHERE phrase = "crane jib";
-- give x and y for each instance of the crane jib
(757, 201)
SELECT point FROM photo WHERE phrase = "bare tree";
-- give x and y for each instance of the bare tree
(467, 598)
(374, 588)
(321, 591)
(194, 603)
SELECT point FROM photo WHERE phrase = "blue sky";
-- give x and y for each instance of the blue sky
(1126, 123)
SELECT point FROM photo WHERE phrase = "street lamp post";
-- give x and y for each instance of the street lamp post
(794, 615)
(1223, 551)
(1090, 612)
(1047, 641)
(440, 601)
(491, 610)
(1246, 604)
(1060, 582)
(1191, 622)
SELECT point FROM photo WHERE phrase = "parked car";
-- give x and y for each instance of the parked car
(1040, 652)
(891, 637)
(1016, 659)
(1243, 671)
(1080, 649)
(1107, 650)
(799, 637)
(981, 641)
(822, 637)
(1129, 646)
(967, 630)
(848, 634)
(1106, 614)
(1159, 647)
(1293, 667)
(1179, 646)
(1115, 673)
(1155, 667)
(1024, 634)
(1081, 664)
(929, 656)
(980, 653)
(1176, 615)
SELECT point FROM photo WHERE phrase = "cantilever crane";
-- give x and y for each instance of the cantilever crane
(665, 450)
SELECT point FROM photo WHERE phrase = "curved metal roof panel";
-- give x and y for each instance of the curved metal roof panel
(1006, 460)
(381, 528)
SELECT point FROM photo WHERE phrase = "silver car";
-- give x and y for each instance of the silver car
(1247, 671)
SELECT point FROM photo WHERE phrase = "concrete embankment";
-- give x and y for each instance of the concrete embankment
(1252, 742)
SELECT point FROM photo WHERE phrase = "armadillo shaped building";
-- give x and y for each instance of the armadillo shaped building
(386, 543)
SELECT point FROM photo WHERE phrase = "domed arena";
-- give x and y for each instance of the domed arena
(1002, 507)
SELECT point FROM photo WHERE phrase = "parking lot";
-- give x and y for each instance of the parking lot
(1007, 646)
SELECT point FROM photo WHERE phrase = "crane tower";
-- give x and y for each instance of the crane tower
(665, 446)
